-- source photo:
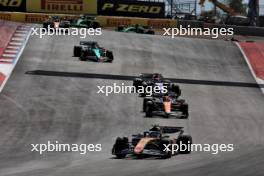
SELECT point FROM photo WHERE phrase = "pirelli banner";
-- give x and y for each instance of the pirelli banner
(131, 8)
(50, 6)
(62, 6)
(30, 17)
(13, 5)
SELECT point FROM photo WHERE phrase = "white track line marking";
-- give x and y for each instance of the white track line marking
(9, 55)
(16, 43)
(11, 51)
(20, 35)
(22, 31)
(13, 47)
(17, 39)
(23, 27)
(6, 60)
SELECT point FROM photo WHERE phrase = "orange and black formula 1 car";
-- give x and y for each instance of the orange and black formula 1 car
(165, 105)
(56, 23)
(153, 143)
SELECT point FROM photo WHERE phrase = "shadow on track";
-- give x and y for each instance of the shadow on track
(130, 78)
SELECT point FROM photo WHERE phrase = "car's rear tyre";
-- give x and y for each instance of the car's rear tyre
(120, 28)
(143, 95)
(46, 25)
(167, 116)
(185, 111)
(168, 154)
(120, 156)
(83, 57)
(176, 89)
(110, 56)
(95, 24)
(149, 111)
(185, 140)
(136, 83)
(151, 32)
(145, 103)
(77, 51)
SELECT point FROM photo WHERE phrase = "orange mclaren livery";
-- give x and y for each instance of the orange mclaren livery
(152, 143)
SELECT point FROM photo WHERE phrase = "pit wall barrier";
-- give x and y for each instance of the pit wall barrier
(50, 6)
(29, 17)
(68, 7)
(111, 21)
(105, 21)
(191, 23)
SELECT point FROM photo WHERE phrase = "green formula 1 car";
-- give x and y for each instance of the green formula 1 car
(136, 29)
(85, 22)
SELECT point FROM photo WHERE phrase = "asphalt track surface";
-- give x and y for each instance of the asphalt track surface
(37, 108)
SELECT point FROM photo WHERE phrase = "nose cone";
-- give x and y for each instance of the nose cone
(167, 107)
(138, 149)
(56, 24)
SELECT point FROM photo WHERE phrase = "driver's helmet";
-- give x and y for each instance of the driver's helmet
(155, 134)
(56, 18)
(146, 134)
(155, 128)
(94, 46)
(166, 98)
(156, 78)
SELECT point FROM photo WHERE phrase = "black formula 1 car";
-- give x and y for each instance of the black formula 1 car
(155, 80)
(165, 105)
(90, 50)
(56, 22)
(154, 142)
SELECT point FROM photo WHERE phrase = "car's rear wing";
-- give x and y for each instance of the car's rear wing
(87, 42)
(149, 75)
(170, 129)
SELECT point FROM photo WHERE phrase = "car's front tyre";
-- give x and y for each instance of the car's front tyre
(120, 144)
(77, 51)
